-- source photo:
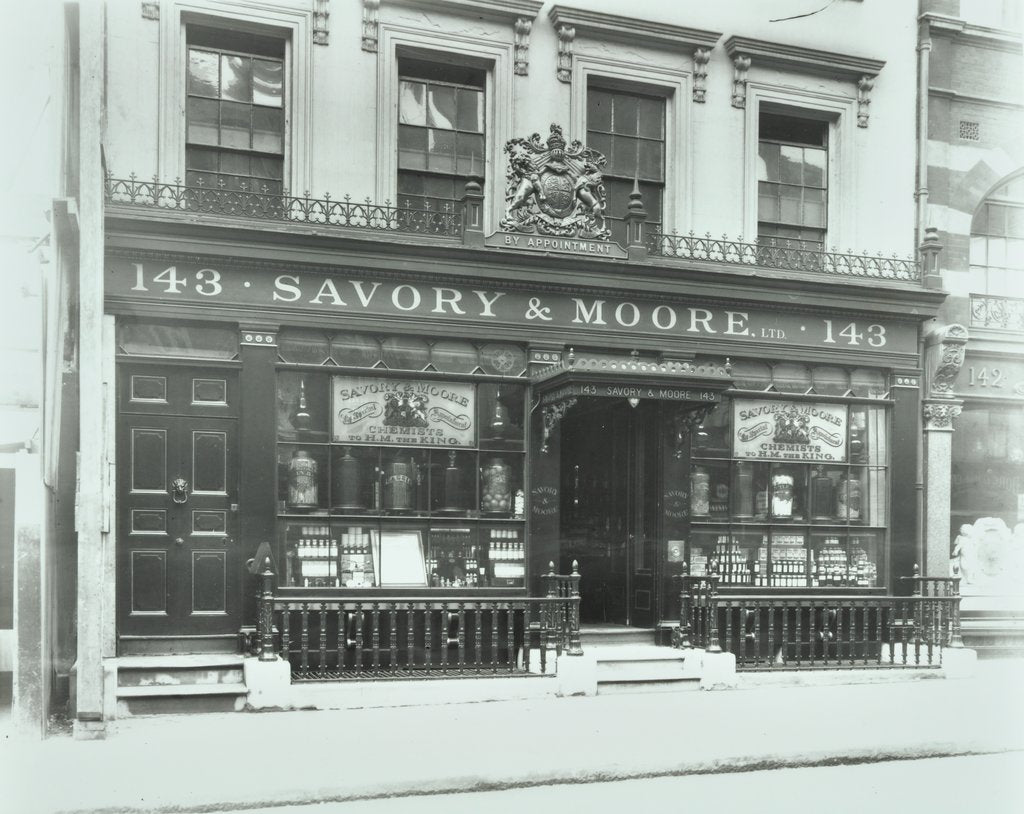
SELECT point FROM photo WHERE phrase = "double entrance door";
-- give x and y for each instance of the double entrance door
(610, 509)
(178, 559)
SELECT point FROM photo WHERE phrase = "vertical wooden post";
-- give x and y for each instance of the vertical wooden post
(575, 645)
(955, 639)
(473, 213)
(266, 613)
(684, 641)
(713, 644)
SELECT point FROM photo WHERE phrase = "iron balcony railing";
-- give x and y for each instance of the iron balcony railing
(452, 221)
(1005, 313)
(791, 255)
(263, 204)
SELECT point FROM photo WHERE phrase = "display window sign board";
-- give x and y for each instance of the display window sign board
(789, 431)
(403, 412)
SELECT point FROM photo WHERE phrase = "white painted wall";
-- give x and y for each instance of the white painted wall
(345, 116)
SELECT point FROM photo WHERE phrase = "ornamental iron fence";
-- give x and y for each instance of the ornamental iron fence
(790, 255)
(264, 204)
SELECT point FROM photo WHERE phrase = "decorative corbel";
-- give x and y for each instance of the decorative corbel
(552, 415)
(522, 56)
(701, 57)
(741, 64)
(151, 11)
(939, 415)
(864, 86)
(566, 36)
(320, 19)
(684, 424)
(952, 348)
(370, 19)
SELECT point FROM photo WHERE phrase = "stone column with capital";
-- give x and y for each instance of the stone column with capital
(944, 356)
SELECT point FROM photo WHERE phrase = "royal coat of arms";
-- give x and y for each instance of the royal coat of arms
(554, 189)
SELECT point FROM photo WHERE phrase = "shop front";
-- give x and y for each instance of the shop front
(399, 436)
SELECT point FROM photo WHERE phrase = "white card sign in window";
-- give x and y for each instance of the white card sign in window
(790, 431)
(403, 412)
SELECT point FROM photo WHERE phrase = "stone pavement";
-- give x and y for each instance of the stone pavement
(222, 761)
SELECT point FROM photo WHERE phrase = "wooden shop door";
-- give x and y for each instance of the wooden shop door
(178, 568)
(610, 521)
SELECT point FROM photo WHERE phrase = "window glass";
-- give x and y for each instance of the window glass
(246, 73)
(162, 339)
(629, 130)
(440, 133)
(997, 243)
(792, 180)
(303, 347)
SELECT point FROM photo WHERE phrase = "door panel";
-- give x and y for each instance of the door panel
(178, 569)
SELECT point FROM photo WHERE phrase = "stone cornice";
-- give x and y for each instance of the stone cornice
(965, 98)
(803, 60)
(493, 9)
(978, 35)
(601, 26)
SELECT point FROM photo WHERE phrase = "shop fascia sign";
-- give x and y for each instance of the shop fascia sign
(330, 294)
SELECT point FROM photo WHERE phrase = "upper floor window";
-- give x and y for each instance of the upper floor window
(235, 111)
(629, 130)
(792, 180)
(997, 241)
(440, 132)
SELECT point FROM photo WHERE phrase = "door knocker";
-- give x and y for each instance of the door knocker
(179, 490)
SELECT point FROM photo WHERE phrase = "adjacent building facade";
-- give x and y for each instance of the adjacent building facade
(971, 191)
(413, 299)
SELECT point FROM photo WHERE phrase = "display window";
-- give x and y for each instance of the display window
(789, 493)
(400, 462)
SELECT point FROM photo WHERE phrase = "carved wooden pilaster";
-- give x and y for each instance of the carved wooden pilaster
(370, 25)
(741, 64)
(566, 36)
(553, 415)
(321, 16)
(522, 54)
(701, 57)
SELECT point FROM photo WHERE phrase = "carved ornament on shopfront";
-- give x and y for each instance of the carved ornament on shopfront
(940, 415)
(554, 188)
(951, 349)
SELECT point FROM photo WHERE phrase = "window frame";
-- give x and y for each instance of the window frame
(251, 152)
(633, 92)
(995, 279)
(841, 115)
(778, 223)
(291, 25)
(648, 80)
(427, 171)
(494, 58)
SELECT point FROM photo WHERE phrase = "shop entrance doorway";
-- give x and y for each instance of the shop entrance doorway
(178, 566)
(609, 514)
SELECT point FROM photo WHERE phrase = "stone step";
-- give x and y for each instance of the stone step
(180, 699)
(184, 670)
(638, 663)
(615, 635)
